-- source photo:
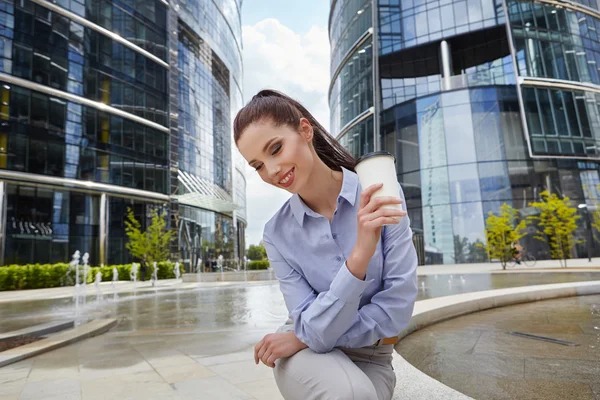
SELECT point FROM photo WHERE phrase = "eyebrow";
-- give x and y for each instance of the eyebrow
(264, 149)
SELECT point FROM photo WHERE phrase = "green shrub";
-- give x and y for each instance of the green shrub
(36, 276)
(258, 264)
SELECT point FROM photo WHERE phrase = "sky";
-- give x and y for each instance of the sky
(285, 48)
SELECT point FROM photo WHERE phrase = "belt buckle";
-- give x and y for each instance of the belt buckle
(377, 343)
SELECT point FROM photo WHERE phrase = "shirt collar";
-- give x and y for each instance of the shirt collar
(349, 192)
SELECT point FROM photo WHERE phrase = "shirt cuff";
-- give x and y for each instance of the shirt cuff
(347, 287)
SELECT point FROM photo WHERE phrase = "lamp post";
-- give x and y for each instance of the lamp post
(588, 227)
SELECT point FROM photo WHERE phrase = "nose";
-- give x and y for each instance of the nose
(272, 170)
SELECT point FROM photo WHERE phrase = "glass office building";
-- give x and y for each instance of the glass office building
(483, 102)
(110, 105)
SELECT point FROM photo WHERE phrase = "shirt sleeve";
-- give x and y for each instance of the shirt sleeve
(389, 310)
(319, 319)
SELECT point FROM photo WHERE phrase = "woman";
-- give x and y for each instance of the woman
(348, 281)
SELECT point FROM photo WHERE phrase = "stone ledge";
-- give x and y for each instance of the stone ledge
(38, 330)
(61, 339)
(415, 385)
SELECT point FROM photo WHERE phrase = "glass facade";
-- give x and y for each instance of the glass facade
(555, 42)
(350, 21)
(50, 136)
(215, 22)
(467, 138)
(352, 91)
(49, 49)
(452, 151)
(204, 118)
(407, 23)
(79, 103)
(403, 79)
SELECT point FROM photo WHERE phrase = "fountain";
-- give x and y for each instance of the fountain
(97, 282)
(75, 264)
(133, 273)
(154, 274)
(177, 271)
(115, 276)
(85, 259)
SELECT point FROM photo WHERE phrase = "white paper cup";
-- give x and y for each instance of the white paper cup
(379, 167)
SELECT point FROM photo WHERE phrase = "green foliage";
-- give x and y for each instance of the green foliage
(258, 264)
(467, 252)
(595, 217)
(477, 253)
(501, 231)
(37, 276)
(555, 224)
(257, 252)
(151, 245)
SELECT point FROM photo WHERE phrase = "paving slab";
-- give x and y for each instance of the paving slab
(61, 339)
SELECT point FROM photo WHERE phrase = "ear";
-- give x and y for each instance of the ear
(306, 129)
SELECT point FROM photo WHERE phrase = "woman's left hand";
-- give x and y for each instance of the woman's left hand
(275, 346)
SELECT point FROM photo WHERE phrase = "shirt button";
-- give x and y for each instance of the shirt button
(335, 235)
(338, 258)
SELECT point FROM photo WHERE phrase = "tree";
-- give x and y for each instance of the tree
(501, 233)
(257, 252)
(461, 250)
(151, 245)
(595, 217)
(477, 253)
(555, 224)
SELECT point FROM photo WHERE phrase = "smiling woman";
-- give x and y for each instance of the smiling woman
(346, 265)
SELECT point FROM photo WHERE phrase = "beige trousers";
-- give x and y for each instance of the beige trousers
(365, 373)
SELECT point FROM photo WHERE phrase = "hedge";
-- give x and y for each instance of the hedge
(258, 264)
(36, 276)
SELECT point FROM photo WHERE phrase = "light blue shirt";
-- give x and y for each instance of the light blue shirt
(330, 307)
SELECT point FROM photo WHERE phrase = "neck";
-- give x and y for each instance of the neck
(324, 188)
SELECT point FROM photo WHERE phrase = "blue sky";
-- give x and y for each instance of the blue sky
(286, 47)
(298, 15)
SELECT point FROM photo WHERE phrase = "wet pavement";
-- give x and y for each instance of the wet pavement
(474, 355)
(236, 308)
(194, 343)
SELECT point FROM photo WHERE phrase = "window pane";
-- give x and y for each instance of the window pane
(559, 112)
(464, 183)
(459, 134)
(546, 112)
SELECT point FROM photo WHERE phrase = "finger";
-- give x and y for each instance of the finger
(262, 351)
(265, 357)
(257, 349)
(381, 221)
(365, 196)
(378, 202)
(385, 212)
(271, 360)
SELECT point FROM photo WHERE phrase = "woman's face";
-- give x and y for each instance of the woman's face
(281, 155)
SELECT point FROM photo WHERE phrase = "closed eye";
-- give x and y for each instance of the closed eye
(276, 149)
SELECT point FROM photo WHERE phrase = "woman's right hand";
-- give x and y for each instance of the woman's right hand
(371, 218)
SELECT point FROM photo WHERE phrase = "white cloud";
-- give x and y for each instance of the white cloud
(275, 57)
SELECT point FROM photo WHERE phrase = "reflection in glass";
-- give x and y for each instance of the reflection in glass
(459, 134)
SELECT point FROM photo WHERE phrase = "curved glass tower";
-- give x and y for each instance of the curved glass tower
(483, 102)
(109, 105)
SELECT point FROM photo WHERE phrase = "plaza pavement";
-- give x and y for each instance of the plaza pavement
(174, 362)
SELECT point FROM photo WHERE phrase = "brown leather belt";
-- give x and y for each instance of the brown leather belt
(387, 340)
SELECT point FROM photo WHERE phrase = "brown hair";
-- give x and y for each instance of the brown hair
(283, 110)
